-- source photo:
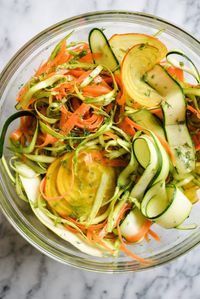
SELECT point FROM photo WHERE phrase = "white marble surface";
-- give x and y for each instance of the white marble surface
(25, 272)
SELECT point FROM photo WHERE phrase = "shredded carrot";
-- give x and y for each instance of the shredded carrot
(31, 101)
(144, 229)
(195, 139)
(90, 124)
(77, 72)
(97, 226)
(42, 68)
(119, 81)
(47, 139)
(193, 110)
(109, 107)
(197, 147)
(126, 207)
(93, 90)
(62, 57)
(63, 89)
(80, 225)
(83, 76)
(66, 85)
(174, 71)
(92, 227)
(26, 126)
(122, 99)
(127, 127)
(99, 80)
(65, 114)
(154, 235)
(157, 112)
(16, 134)
(129, 252)
(64, 110)
(167, 148)
(22, 92)
(81, 47)
(123, 246)
(89, 235)
(89, 58)
(98, 156)
(111, 135)
(133, 255)
(71, 229)
(49, 75)
(72, 120)
(107, 79)
(134, 125)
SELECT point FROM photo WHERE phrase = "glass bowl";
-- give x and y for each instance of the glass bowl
(173, 242)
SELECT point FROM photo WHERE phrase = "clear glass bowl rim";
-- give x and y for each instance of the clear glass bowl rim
(8, 211)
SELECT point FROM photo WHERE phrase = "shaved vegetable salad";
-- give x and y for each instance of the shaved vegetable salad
(108, 143)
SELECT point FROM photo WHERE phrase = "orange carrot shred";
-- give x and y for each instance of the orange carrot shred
(22, 92)
(143, 230)
(193, 110)
(154, 235)
(127, 127)
(158, 112)
(195, 140)
(175, 71)
(62, 57)
(108, 108)
(83, 76)
(93, 90)
(47, 139)
(91, 123)
(89, 57)
(71, 121)
(98, 157)
(16, 134)
(197, 147)
(71, 229)
(111, 135)
(167, 148)
(122, 99)
(133, 255)
(129, 252)
(77, 72)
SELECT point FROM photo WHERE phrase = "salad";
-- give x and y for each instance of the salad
(108, 141)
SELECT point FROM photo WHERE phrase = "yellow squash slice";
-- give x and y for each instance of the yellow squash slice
(80, 189)
(56, 202)
(136, 63)
(121, 43)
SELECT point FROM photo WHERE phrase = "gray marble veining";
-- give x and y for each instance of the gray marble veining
(26, 273)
